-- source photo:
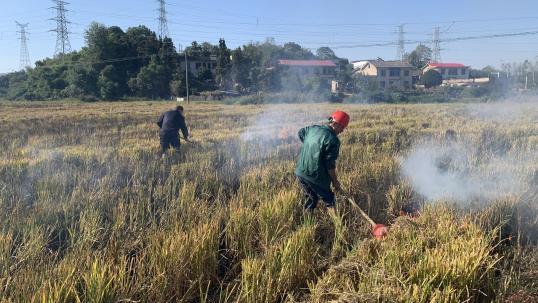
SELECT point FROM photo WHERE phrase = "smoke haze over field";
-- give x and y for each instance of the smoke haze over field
(280, 122)
(486, 167)
(507, 111)
(277, 126)
(460, 172)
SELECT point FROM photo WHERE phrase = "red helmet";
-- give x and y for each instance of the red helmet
(341, 118)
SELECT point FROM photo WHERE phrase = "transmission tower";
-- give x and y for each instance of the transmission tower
(436, 45)
(163, 23)
(24, 56)
(401, 43)
(62, 33)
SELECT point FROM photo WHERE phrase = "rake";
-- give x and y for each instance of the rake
(379, 231)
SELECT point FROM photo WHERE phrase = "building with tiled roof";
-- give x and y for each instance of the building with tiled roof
(320, 68)
(387, 74)
(449, 70)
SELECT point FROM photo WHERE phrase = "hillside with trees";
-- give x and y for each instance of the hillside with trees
(137, 64)
(116, 64)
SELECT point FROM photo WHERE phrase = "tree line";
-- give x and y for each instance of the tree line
(115, 64)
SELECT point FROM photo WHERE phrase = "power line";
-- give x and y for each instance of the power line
(222, 24)
(380, 44)
(24, 55)
(62, 33)
(105, 61)
(163, 23)
(115, 60)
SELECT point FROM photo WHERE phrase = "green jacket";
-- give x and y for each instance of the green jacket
(318, 154)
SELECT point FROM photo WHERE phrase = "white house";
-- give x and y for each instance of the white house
(449, 70)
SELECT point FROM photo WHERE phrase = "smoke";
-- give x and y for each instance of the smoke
(507, 112)
(49, 159)
(280, 122)
(496, 162)
(61, 165)
(462, 172)
(277, 126)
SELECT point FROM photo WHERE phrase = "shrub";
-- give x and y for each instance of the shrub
(431, 78)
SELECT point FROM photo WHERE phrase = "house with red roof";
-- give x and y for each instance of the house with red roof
(449, 71)
(321, 68)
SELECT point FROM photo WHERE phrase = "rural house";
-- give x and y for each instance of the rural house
(449, 71)
(387, 74)
(358, 64)
(197, 64)
(321, 68)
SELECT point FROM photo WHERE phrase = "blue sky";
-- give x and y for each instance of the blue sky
(340, 24)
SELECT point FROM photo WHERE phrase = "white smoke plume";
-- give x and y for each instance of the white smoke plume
(484, 168)
(460, 172)
(275, 130)
(281, 122)
(509, 111)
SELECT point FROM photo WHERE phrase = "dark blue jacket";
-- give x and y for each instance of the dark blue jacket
(171, 122)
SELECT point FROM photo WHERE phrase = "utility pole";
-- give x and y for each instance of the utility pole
(187, 74)
(163, 23)
(24, 56)
(401, 43)
(436, 45)
(62, 33)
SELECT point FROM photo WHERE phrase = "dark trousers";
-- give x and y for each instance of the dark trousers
(169, 139)
(312, 192)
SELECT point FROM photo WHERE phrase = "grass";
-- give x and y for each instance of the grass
(442, 262)
(89, 212)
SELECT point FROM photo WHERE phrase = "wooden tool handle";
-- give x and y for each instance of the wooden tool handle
(361, 211)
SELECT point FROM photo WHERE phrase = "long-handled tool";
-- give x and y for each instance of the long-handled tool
(379, 231)
(187, 140)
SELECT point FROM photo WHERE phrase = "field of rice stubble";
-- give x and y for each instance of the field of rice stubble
(90, 211)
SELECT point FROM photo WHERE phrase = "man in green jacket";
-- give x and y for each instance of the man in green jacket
(316, 167)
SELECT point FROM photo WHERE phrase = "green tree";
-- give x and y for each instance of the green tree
(292, 50)
(489, 69)
(344, 71)
(4, 85)
(168, 59)
(325, 53)
(105, 43)
(419, 57)
(82, 81)
(48, 79)
(204, 81)
(14, 85)
(178, 85)
(222, 72)
(204, 50)
(143, 43)
(482, 73)
(241, 67)
(152, 81)
(431, 78)
(478, 73)
(108, 83)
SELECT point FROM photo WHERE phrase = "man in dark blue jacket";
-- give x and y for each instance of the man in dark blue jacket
(170, 123)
